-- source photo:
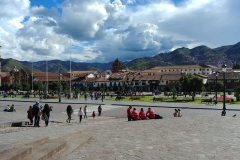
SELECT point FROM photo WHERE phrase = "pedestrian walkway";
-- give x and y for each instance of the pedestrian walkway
(92, 108)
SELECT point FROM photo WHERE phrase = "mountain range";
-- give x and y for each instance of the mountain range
(229, 55)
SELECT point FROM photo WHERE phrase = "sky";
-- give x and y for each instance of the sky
(103, 30)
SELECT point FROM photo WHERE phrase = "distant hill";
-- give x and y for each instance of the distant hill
(8, 64)
(229, 55)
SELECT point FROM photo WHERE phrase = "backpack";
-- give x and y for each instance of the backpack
(157, 116)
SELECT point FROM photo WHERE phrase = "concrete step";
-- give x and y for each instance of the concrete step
(20, 152)
(47, 150)
(74, 141)
(17, 153)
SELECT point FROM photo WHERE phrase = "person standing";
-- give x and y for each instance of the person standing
(35, 111)
(99, 110)
(85, 111)
(80, 114)
(142, 114)
(69, 111)
(129, 113)
(150, 113)
(30, 115)
(93, 114)
(215, 100)
(46, 114)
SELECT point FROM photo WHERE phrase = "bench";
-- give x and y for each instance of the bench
(157, 99)
(135, 98)
(207, 101)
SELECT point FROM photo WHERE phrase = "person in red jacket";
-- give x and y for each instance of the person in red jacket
(150, 113)
(142, 114)
(135, 114)
(129, 113)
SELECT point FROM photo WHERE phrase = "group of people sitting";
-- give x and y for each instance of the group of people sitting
(142, 115)
(10, 109)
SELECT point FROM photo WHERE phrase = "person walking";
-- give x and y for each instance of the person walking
(69, 111)
(46, 114)
(80, 114)
(85, 111)
(30, 115)
(99, 110)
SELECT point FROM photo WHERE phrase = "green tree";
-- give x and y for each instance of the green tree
(65, 86)
(192, 84)
(25, 86)
(16, 86)
(219, 85)
(237, 93)
(6, 86)
(236, 66)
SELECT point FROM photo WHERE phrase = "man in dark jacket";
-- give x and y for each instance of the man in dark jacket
(35, 111)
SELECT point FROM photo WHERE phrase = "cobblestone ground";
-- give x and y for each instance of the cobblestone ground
(198, 137)
(199, 134)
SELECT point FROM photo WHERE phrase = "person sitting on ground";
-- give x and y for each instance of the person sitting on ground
(223, 113)
(142, 114)
(150, 113)
(30, 115)
(7, 108)
(179, 113)
(175, 114)
(129, 113)
(135, 114)
(12, 109)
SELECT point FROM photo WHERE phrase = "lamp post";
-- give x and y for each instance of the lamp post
(224, 86)
(217, 73)
(59, 76)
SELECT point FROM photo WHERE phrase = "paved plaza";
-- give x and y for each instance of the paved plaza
(200, 134)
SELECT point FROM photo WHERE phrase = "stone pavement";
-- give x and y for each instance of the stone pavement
(185, 138)
(199, 134)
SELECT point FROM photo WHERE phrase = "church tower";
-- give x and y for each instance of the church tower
(116, 66)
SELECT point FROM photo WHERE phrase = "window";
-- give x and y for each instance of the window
(194, 69)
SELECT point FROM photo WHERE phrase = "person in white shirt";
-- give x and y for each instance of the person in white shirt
(80, 114)
(7, 108)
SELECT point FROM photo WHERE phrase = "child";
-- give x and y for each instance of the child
(93, 114)
(179, 113)
(175, 114)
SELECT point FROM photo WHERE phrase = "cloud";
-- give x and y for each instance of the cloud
(101, 31)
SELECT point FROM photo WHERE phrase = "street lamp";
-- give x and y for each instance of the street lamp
(217, 73)
(59, 76)
(224, 68)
